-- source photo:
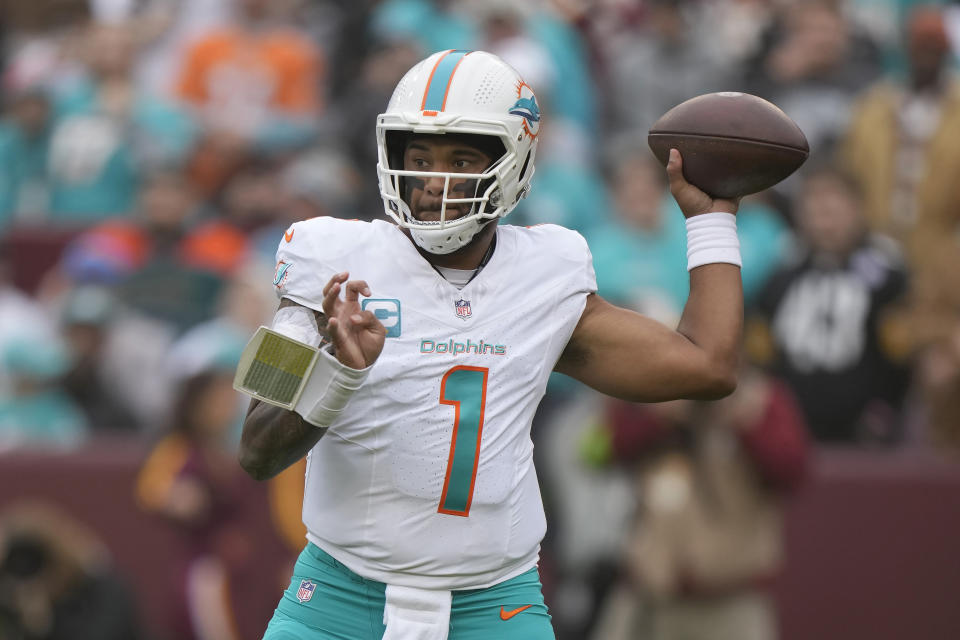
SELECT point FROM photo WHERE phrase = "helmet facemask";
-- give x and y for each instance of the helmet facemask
(483, 192)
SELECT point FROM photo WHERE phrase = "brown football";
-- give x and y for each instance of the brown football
(732, 144)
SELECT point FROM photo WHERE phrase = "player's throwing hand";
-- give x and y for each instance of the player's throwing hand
(692, 200)
(356, 334)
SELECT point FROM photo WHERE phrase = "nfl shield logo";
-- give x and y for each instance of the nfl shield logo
(463, 308)
(305, 592)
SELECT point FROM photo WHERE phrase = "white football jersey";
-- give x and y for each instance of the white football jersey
(427, 480)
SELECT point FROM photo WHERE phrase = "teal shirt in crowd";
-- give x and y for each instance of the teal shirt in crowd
(23, 166)
(566, 194)
(433, 30)
(764, 238)
(95, 161)
(637, 268)
(47, 418)
(642, 269)
(572, 94)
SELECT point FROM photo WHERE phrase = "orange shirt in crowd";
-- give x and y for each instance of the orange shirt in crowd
(280, 69)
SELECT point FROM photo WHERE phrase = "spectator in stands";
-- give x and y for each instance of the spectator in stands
(380, 72)
(56, 582)
(637, 88)
(36, 411)
(570, 191)
(24, 145)
(252, 196)
(19, 314)
(883, 20)
(507, 33)
(938, 378)
(435, 25)
(824, 314)
(732, 29)
(548, 53)
(901, 144)
(812, 63)
(319, 182)
(192, 481)
(247, 302)
(711, 480)
(640, 256)
(167, 29)
(248, 201)
(258, 80)
(105, 132)
(87, 319)
(179, 267)
(166, 273)
(927, 327)
(520, 33)
(602, 22)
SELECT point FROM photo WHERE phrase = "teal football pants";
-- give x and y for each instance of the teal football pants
(336, 604)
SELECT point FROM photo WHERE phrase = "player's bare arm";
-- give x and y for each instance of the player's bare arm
(623, 354)
(273, 438)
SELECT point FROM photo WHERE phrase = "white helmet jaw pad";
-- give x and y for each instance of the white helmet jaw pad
(444, 241)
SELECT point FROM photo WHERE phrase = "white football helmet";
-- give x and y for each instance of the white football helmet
(464, 92)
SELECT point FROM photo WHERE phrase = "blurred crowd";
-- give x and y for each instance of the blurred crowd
(153, 151)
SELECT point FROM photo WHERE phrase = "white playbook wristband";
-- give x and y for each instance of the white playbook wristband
(328, 389)
(711, 238)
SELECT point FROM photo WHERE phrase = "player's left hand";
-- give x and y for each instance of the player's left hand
(356, 334)
(691, 199)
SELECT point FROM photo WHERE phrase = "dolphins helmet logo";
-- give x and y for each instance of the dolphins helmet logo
(281, 274)
(527, 108)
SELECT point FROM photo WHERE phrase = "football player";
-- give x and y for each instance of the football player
(407, 359)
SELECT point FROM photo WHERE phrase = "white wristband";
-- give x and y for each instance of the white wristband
(712, 237)
(328, 389)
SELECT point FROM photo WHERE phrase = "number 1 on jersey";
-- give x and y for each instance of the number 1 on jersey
(465, 388)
